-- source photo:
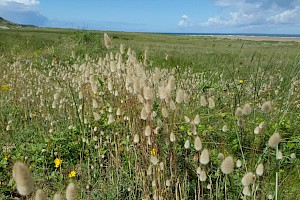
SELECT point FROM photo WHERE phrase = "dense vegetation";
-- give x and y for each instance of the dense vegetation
(149, 116)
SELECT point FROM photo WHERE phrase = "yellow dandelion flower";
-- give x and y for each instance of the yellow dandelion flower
(57, 162)
(72, 174)
(153, 151)
(241, 81)
(5, 158)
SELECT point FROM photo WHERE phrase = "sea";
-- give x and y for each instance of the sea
(239, 34)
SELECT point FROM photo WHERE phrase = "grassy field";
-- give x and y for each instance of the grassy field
(149, 116)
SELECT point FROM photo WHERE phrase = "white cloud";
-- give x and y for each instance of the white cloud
(22, 12)
(185, 21)
(263, 15)
(286, 17)
(22, 2)
(235, 18)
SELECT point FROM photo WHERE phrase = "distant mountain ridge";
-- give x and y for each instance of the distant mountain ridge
(5, 24)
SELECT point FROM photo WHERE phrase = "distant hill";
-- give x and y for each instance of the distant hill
(5, 24)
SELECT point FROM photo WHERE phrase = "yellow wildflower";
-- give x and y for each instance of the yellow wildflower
(153, 151)
(5, 158)
(57, 162)
(72, 174)
(4, 87)
(241, 81)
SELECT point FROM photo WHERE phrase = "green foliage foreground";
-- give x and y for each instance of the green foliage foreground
(151, 116)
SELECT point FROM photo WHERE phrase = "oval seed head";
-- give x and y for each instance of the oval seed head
(227, 165)
(247, 109)
(164, 112)
(187, 144)
(168, 183)
(203, 175)
(266, 107)
(274, 140)
(148, 93)
(238, 163)
(172, 105)
(186, 119)
(57, 196)
(172, 137)
(221, 156)
(204, 157)
(260, 169)
(196, 120)
(23, 178)
(136, 138)
(179, 96)
(144, 114)
(161, 166)
(71, 191)
(240, 122)
(107, 41)
(40, 195)
(147, 131)
(197, 143)
(238, 112)
(279, 155)
(293, 156)
(256, 130)
(247, 179)
(153, 160)
(203, 101)
(225, 128)
(198, 170)
(246, 191)
(211, 103)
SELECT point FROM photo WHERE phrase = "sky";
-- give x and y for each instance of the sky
(179, 16)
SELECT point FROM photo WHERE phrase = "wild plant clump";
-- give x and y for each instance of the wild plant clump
(116, 127)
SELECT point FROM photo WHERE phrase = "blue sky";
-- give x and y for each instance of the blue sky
(198, 16)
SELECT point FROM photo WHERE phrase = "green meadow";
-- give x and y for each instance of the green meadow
(148, 116)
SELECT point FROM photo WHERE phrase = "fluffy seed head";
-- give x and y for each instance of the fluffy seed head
(274, 140)
(40, 195)
(197, 143)
(240, 122)
(221, 156)
(246, 191)
(203, 101)
(187, 144)
(196, 120)
(227, 165)
(147, 131)
(211, 103)
(238, 163)
(204, 157)
(203, 175)
(260, 169)
(247, 109)
(57, 196)
(107, 41)
(136, 139)
(179, 96)
(172, 137)
(225, 128)
(71, 191)
(238, 112)
(247, 179)
(23, 178)
(266, 106)
(279, 155)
